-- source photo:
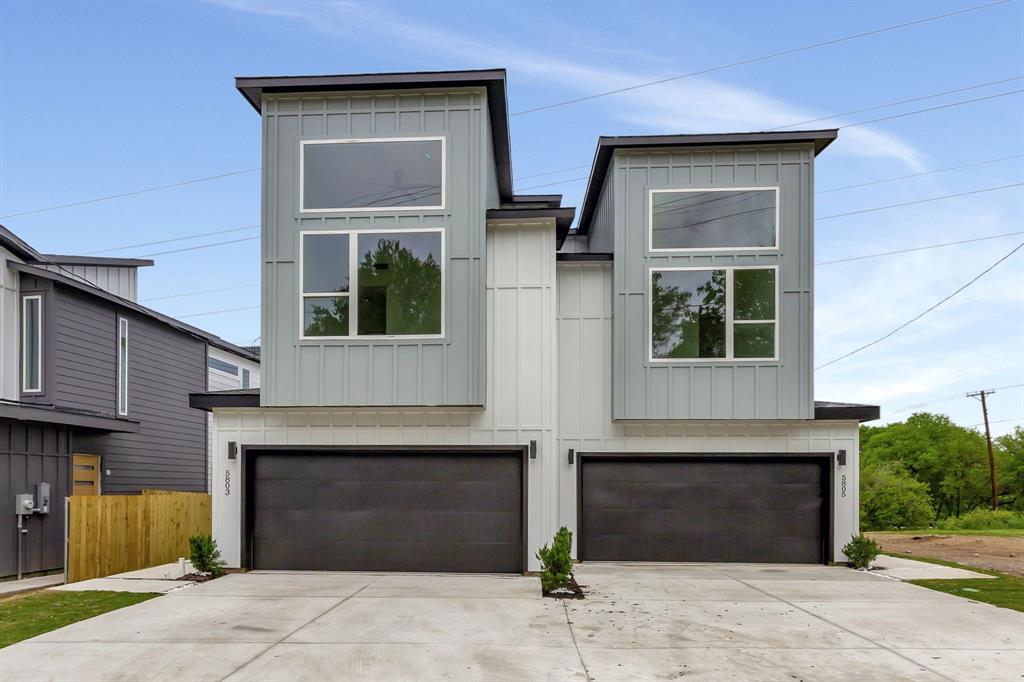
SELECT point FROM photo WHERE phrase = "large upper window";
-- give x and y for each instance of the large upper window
(360, 283)
(32, 344)
(714, 219)
(722, 313)
(364, 175)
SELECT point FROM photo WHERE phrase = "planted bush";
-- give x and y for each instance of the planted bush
(556, 561)
(861, 551)
(985, 519)
(205, 555)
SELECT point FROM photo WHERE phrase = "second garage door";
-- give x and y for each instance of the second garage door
(703, 509)
(385, 511)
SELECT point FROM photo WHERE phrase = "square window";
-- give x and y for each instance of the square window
(325, 316)
(399, 283)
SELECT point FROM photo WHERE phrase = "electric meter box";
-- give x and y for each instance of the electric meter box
(24, 504)
(42, 498)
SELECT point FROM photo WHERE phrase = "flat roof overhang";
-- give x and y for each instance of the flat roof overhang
(606, 147)
(563, 217)
(53, 415)
(253, 88)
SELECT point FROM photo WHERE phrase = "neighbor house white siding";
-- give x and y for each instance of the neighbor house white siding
(219, 380)
(521, 394)
(10, 317)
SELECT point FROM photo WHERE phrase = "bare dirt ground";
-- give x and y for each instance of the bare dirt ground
(1004, 554)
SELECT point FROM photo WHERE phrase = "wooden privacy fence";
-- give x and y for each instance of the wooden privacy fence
(110, 534)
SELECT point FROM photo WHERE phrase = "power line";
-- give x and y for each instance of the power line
(998, 421)
(935, 108)
(196, 248)
(173, 239)
(917, 406)
(129, 194)
(919, 201)
(761, 58)
(198, 293)
(554, 172)
(549, 184)
(917, 175)
(217, 312)
(918, 248)
(902, 101)
(920, 315)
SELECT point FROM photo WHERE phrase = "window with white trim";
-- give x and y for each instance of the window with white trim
(363, 283)
(122, 366)
(246, 379)
(714, 219)
(32, 343)
(713, 314)
(371, 174)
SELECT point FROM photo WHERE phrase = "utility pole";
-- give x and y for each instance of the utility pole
(980, 395)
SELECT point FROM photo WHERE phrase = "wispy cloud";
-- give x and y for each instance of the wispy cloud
(692, 105)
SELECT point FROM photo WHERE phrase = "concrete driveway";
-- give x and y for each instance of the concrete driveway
(640, 622)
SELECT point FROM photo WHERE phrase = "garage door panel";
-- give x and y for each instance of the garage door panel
(683, 509)
(340, 511)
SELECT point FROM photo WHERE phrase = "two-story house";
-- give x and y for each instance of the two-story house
(94, 392)
(449, 375)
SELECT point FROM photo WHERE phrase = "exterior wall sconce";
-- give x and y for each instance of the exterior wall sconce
(232, 449)
(533, 449)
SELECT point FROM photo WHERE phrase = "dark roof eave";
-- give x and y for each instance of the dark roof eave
(253, 88)
(99, 261)
(212, 339)
(18, 246)
(64, 417)
(826, 411)
(606, 146)
(246, 397)
(563, 218)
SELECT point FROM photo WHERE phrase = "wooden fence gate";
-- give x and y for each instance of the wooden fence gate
(110, 534)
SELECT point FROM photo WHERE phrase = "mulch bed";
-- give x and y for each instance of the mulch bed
(571, 591)
(197, 577)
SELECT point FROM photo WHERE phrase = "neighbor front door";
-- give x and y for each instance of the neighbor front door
(85, 475)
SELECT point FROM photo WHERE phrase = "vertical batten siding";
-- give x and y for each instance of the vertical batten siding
(585, 423)
(781, 389)
(520, 334)
(33, 453)
(446, 371)
(120, 281)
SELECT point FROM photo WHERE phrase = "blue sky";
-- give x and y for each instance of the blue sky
(104, 98)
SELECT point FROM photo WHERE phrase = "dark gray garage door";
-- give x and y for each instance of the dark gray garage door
(682, 509)
(385, 511)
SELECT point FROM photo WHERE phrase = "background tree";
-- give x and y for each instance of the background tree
(892, 498)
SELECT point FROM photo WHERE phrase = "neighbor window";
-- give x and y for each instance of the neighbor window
(372, 174)
(122, 366)
(32, 344)
(220, 365)
(714, 219)
(245, 378)
(723, 313)
(372, 283)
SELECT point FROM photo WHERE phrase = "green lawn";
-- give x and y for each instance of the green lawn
(24, 616)
(1001, 532)
(1003, 590)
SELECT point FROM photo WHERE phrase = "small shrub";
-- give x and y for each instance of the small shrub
(205, 555)
(984, 519)
(556, 561)
(861, 551)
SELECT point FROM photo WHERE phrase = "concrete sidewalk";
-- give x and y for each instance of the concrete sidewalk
(908, 569)
(11, 587)
(639, 622)
(160, 579)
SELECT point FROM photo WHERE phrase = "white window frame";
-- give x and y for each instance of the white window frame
(122, 365)
(706, 249)
(353, 285)
(24, 344)
(729, 315)
(374, 209)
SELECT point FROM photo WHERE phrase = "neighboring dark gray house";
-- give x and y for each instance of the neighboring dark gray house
(450, 374)
(94, 391)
